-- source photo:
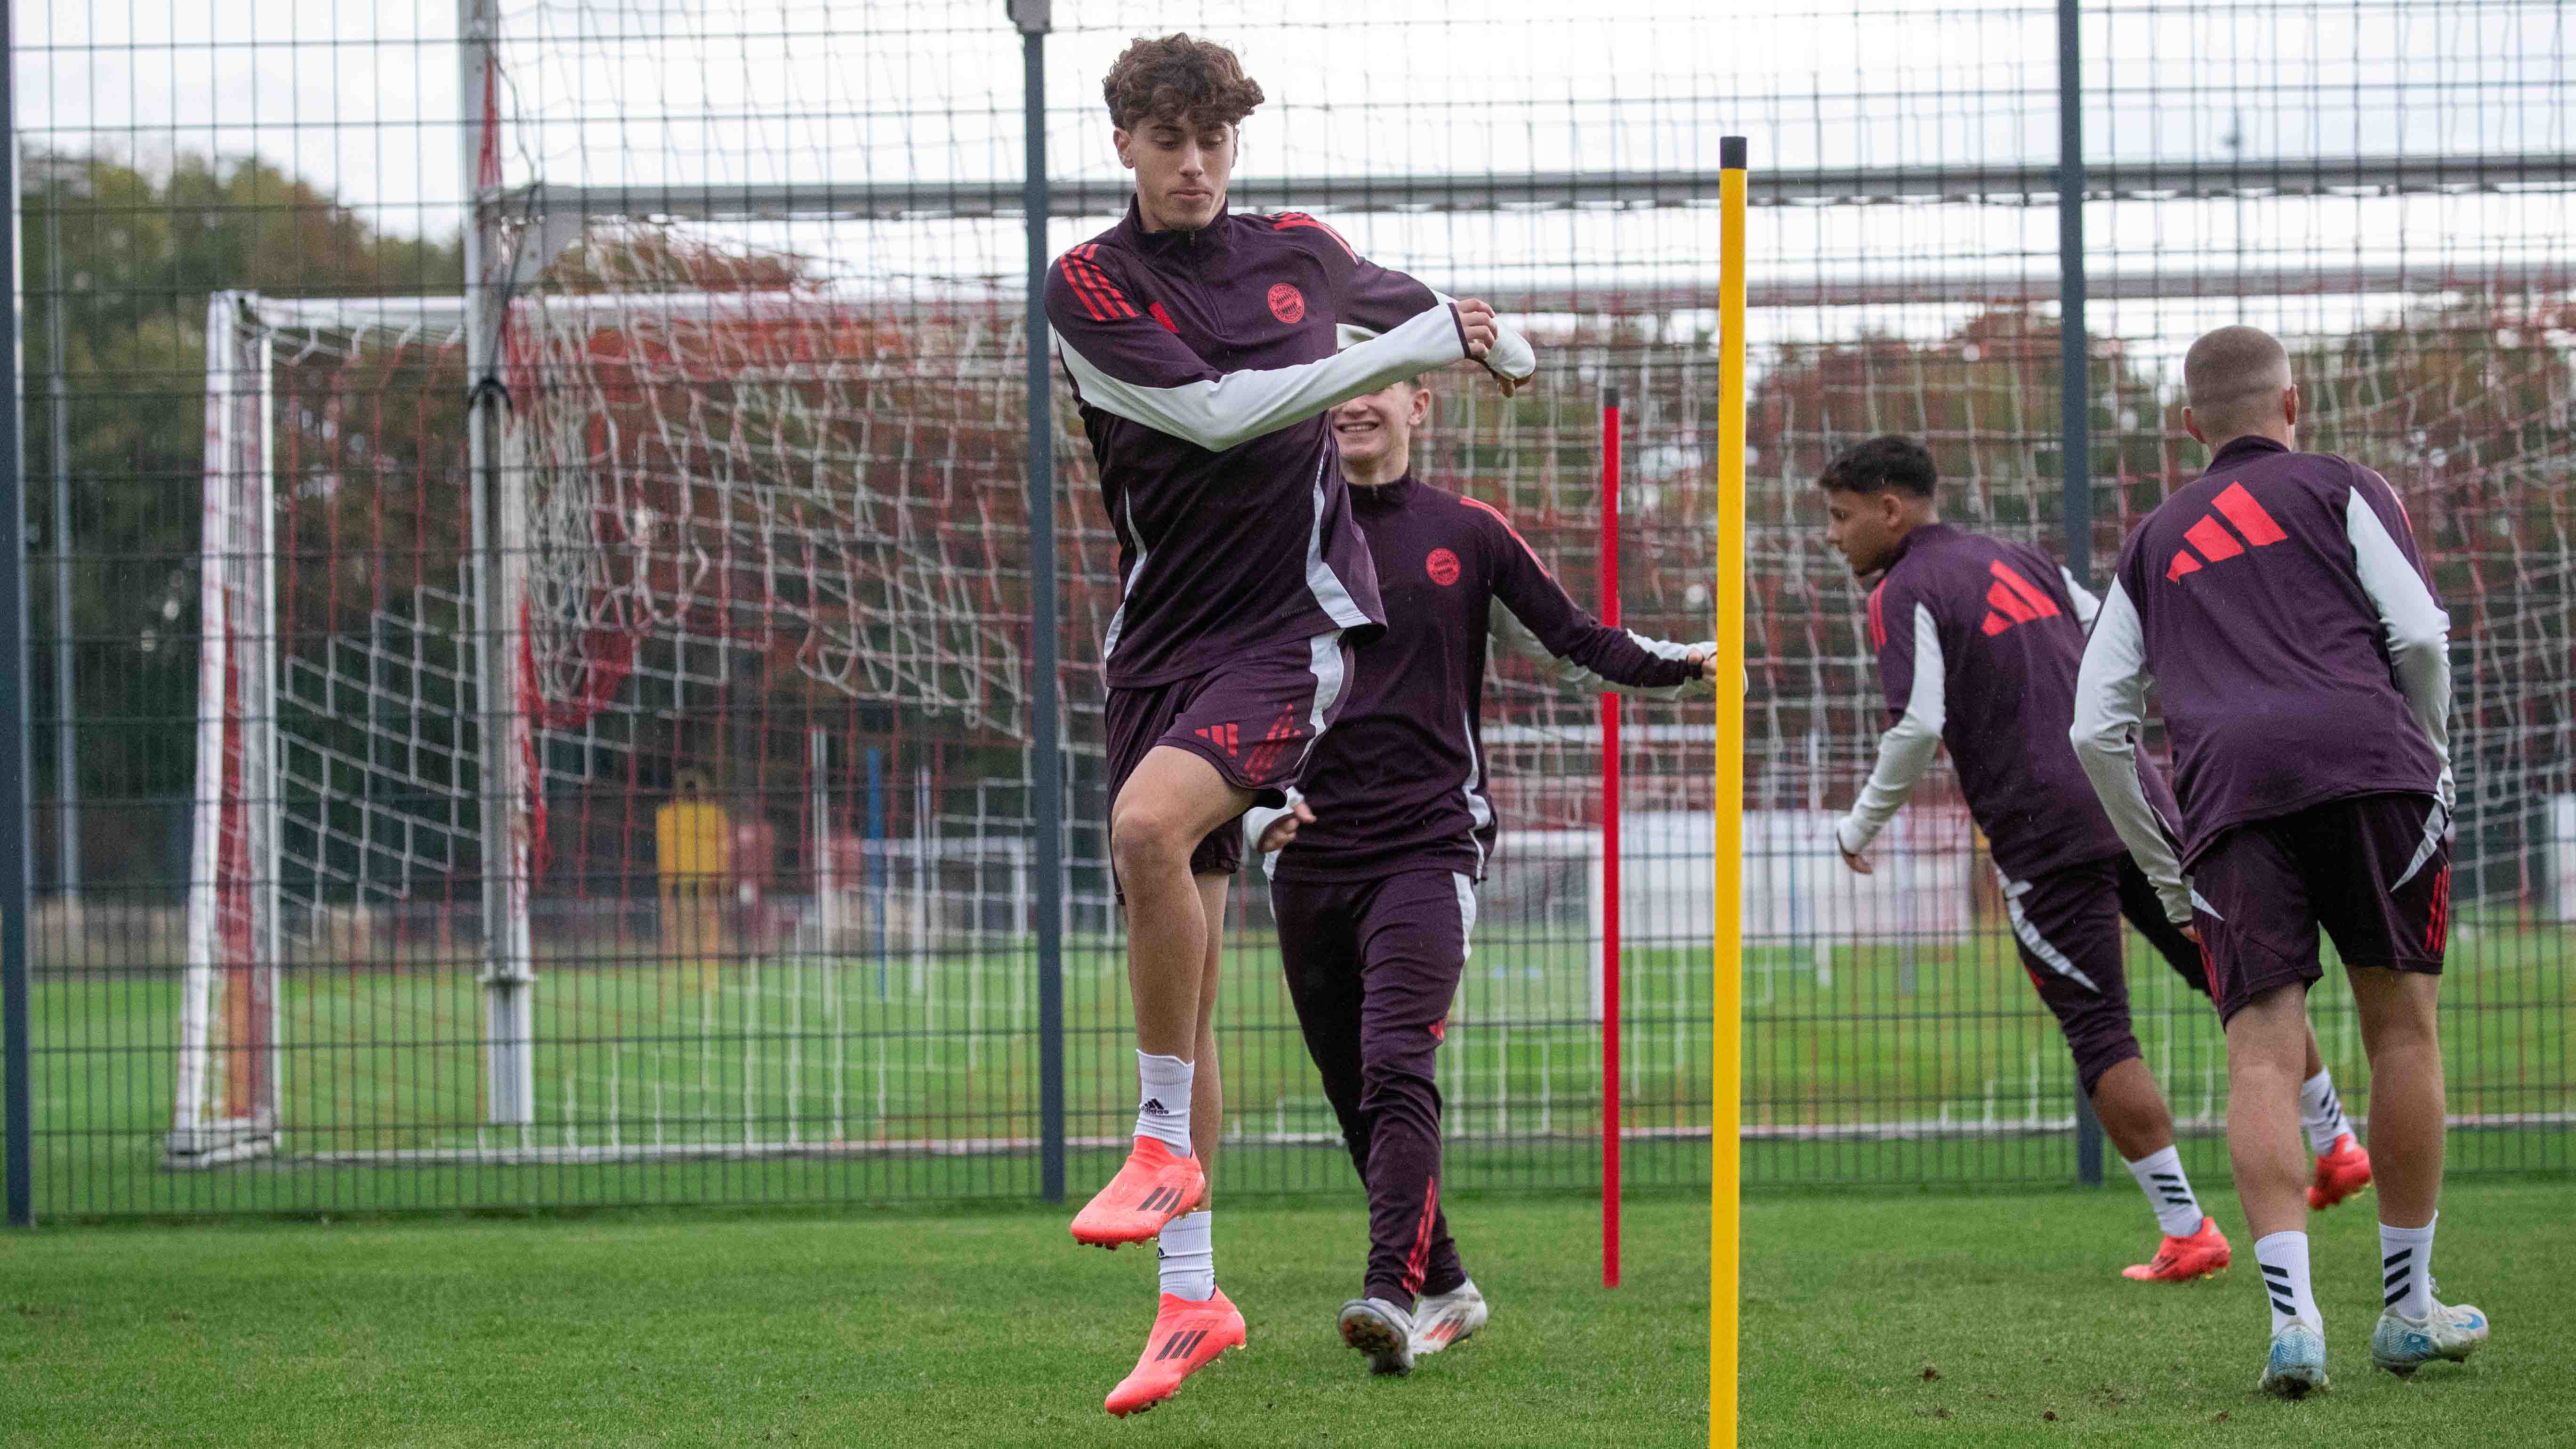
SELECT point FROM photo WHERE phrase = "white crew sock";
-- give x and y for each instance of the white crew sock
(2160, 1176)
(1186, 1254)
(2283, 1257)
(1163, 1103)
(2406, 1267)
(2321, 1112)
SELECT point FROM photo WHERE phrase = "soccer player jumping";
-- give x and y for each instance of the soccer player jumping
(1375, 888)
(1978, 640)
(1200, 343)
(2280, 606)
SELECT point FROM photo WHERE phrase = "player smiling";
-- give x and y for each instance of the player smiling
(1375, 889)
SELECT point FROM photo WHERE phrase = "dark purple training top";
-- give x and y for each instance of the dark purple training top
(2009, 641)
(1398, 783)
(2253, 596)
(1185, 348)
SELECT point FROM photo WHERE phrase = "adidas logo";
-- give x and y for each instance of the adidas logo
(2012, 599)
(1155, 1106)
(1223, 736)
(2213, 540)
(1283, 731)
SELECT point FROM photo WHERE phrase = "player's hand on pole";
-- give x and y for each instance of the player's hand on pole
(1705, 656)
(1280, 831)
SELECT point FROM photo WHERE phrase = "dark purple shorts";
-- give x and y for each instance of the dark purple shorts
(1256, 720)
(2067, 924)
(2374, 871)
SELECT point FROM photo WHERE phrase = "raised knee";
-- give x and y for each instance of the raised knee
(1147, 840)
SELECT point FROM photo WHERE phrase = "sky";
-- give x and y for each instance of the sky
(364, 99)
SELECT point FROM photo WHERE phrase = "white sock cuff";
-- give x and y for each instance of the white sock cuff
(2169, 1157)
(2423, 1234)
(2159, 1175)
(2282, 1260)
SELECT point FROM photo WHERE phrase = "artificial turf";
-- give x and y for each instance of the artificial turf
(1869, 1318)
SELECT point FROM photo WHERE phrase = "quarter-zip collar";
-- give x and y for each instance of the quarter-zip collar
(1175, 242)
(1383, 497)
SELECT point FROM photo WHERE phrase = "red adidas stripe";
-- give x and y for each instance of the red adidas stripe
(1116, 300)
(1289, 219)
(2042, 606)
(2248, 516)
(1090, 300)
(1514, 532)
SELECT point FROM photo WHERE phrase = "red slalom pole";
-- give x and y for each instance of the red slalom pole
(1610, 1107)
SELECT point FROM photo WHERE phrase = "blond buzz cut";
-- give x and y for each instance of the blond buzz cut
(2233, 380)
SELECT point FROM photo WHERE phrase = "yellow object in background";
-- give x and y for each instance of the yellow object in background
(693, 847)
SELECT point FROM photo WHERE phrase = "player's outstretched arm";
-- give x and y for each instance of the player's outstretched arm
(1911, 667)
(1127, 363)
(1533, 614)
(2110, 702)
(2411, 620)
(1370, 300)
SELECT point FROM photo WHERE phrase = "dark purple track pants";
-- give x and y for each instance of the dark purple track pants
(1373, 966)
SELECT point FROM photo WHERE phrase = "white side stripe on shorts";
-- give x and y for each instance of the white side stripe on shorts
(1466, 914)
(2038, 944)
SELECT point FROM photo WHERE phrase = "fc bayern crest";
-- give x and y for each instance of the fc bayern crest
(1442, 566)
(1287, 303)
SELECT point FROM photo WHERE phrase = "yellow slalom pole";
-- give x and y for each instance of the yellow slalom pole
(1726, 1057)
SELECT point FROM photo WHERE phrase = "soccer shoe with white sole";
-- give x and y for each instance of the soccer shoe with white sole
(2402, 1345)
(2179, 1260)
(1382, 1331)
(1187, 1337)
(2296, 1366)
(1154, 1186)
(2342, 1170)
(1442, 1320)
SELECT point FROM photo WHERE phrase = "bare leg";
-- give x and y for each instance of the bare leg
(1166, 808)
(1207, 1090)
(2399, 1030)
(2132, 1111)
(2263, 1058)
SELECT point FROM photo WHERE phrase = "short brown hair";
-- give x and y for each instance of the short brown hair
(1181, 79)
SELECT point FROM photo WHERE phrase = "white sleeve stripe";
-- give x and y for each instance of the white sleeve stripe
(1220, 413)
(2110, 693)
(1906, 750)
(2087, 607)
(1511, 355)
(2413, 622)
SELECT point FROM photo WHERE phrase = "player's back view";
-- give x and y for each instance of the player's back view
(1977, 640)
(2280, 605)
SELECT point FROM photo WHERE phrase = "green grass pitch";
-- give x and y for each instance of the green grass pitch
(644, 1053)
(1892, 1318)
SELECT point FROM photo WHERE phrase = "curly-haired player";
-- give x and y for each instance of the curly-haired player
(1202, 347)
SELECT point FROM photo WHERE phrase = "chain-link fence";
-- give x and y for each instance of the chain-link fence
(568, 738)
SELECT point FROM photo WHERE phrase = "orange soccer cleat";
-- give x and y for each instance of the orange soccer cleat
(2342, 1171)
(2179, 1260)
(1187, 1337)
(1154, 1186)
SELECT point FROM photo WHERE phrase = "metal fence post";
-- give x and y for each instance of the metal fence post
(2075, 403)
(17, 843)
(1046, 734)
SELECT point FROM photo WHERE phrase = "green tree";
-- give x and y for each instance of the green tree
(121, 261)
